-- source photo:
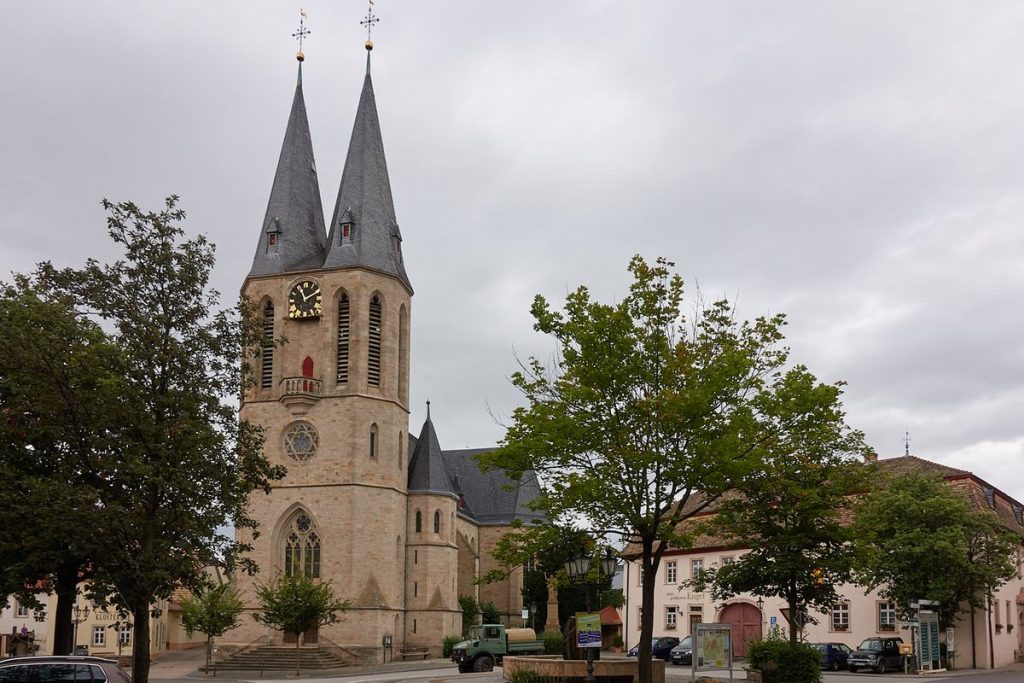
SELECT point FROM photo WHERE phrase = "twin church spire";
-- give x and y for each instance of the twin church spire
(363, 232)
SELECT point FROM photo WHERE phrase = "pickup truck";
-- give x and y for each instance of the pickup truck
(489, 643)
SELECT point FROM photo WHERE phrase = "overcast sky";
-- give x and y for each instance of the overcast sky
(858, 166)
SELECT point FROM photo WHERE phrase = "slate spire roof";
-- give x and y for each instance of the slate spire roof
(293, 234)
(427, 471)
(364, 200)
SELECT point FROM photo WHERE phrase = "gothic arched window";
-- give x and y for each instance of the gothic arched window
(373, 441)
(373, 349)
(267, 352)
(301, 547)
(343, 332)
(419, 522)
(437, 521)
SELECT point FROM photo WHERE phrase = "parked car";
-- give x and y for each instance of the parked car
(833, 655)
(877, 654)
(683, 652)
(73, 668)
(660, 647)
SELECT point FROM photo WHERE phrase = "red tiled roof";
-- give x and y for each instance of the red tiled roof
(610, 617)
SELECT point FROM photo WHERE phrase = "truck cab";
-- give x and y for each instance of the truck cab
(487, 644)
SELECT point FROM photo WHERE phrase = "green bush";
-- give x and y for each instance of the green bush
(781, 662)
(470, 609)
(617, 641)
(552, 642)
(490, 613)
(448, 643)
(525, 676)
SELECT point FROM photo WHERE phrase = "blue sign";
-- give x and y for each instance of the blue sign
(773, 621)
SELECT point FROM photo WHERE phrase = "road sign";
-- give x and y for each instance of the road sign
(773, 621)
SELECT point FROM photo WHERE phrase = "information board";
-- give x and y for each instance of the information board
(588, 629)
(712, 648)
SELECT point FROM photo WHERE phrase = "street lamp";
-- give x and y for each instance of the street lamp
(577, 568)
(81, 614)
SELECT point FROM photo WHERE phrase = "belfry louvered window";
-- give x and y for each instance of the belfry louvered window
(343, 337)
(373, 351)
(267, 352)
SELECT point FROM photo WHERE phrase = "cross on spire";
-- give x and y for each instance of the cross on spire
(368, 21)
(301, 34)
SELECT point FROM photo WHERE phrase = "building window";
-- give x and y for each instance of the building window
(344, 321)
(727, 560)
(267, 351)
(415, 556)
(99, 635)
(437, 521)
(302, 547)
(415, 589)
(670, 572)
(346, 233)
(696, 567)
(373, 441)
(124, 637)
(670, 618)
(640, 575)
(401, 450)
(419, 522)
(21, 610)
(990, 496)
(373, 350)
(841, 616)
(886, 616)
(414, 626)
(403, 356)
(301, 441)
(272, 239)
(639, 617)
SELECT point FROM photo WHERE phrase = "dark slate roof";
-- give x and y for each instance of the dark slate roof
(426, 469)
(294, 210)
(485, 497)
(491, 497)
(364, 199)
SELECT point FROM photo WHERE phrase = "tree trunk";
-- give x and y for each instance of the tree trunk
(974, 646)
(67, 594)
(209, 652)
(298, 660)
(140, 652)
(794, 619)
(643, 655)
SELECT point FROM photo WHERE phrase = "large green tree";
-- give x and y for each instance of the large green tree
(646, 416)
(922, 539)
(297, 603)
(791, 510)
(184, 464)
(58, 383)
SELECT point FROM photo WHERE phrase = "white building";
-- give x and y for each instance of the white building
(998, 634)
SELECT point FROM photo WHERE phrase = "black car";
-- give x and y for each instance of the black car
(833, 655)
(683, 652)
(660, 647)
(877, 654)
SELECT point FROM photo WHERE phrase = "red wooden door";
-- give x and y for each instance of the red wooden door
(746, 625)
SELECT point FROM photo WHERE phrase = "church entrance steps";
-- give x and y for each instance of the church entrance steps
(282, 658)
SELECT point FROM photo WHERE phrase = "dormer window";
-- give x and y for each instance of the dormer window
(346, 233)
(990, 496)
(273, 235)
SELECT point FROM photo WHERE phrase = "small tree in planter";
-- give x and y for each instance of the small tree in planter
(212, 612)
(295, 604)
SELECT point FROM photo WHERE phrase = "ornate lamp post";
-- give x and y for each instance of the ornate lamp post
(81, 614)
(760, 612)
(577, 569)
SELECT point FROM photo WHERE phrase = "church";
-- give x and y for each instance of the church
(398, 526)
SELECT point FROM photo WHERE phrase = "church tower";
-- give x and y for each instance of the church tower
(333, 399)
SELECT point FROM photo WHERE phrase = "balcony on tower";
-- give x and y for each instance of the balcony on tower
(299, 393)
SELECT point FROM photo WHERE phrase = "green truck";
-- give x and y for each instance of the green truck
(487, 644)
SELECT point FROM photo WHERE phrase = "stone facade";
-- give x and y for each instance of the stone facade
(398, 526)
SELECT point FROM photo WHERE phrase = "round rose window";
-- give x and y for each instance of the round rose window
(301, 441)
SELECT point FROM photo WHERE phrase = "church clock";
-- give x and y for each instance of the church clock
(304, 300)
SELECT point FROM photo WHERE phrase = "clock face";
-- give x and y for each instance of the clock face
(304, 300)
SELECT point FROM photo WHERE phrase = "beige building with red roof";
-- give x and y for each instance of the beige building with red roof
(997, 637)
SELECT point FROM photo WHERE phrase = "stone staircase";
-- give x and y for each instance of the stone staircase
(281, 658)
